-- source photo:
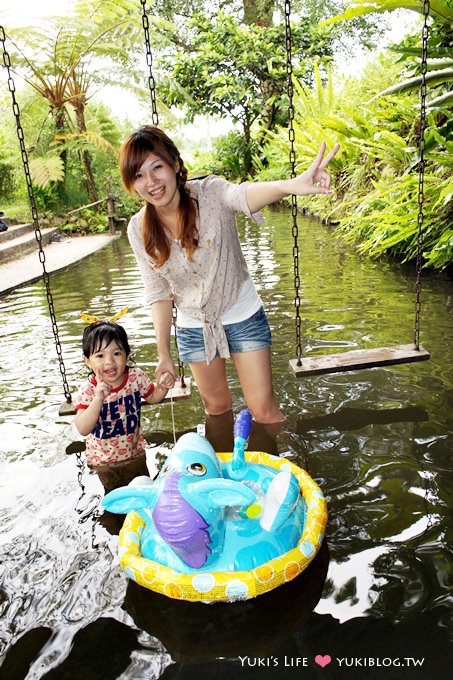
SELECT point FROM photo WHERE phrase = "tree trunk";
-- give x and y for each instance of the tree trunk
(59, 116)
(89, 179)
(86, 156)
(258, 12)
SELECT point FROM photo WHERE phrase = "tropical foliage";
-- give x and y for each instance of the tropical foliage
(439, 68)
(63, 62)
(440, 10)
(386, 219)
(233, 64)
(376, 173)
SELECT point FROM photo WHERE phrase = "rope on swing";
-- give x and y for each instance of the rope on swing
(381, 356)
(34, 212)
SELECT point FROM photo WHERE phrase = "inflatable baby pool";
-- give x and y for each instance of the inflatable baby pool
(219, 526)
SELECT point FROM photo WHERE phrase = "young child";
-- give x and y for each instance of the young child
(108, 405)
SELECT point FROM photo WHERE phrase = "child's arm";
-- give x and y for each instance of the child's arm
(165, 382)
(86, 419)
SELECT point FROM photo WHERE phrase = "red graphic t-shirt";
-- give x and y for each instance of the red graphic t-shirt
(117, 437)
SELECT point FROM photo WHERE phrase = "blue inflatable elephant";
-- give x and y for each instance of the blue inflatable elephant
(197, 512)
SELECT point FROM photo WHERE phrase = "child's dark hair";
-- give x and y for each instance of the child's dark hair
(99, 334)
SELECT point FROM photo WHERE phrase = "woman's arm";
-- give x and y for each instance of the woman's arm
(156, 287)
(315, 180)
(166, 382)
(162, 313)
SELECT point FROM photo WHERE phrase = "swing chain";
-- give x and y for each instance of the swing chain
(149, 61)
(421, 173)
(292, 159)
(155, 119)
(34, 212)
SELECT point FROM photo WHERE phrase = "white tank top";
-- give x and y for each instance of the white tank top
(247, 304)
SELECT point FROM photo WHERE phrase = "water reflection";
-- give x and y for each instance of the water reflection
(194, 632)
(379, 443)
(356, 418)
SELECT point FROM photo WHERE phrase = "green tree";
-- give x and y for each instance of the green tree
(239, 71)
(362, 30)
(65, 62)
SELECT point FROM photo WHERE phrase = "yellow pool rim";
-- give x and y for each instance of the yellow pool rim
(210, 586)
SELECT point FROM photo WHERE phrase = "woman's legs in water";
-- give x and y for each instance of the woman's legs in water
(213, 386)
(219, 431)
(255, 375)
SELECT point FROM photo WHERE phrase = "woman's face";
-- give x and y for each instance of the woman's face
(155, 182)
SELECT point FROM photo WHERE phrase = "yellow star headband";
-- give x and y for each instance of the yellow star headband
(89, 318)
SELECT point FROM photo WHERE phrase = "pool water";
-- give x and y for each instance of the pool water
(377, 599)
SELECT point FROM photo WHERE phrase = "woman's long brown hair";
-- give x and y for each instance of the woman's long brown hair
(133, 153)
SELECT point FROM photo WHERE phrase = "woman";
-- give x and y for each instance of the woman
(187, 247)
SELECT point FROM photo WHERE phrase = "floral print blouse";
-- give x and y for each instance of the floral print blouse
(208, 285)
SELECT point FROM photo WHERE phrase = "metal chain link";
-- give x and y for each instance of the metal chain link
(149, 61)
(34, 212)
(421, 174)
(292, 159)
(155, 120)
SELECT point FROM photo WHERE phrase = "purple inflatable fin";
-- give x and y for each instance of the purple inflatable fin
(180, 525)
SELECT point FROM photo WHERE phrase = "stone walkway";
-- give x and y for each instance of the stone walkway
(58, 255)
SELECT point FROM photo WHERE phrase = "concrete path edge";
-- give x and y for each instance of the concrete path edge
(58, 255)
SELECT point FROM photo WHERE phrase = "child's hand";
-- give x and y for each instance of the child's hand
(102, 389)
(166, 381)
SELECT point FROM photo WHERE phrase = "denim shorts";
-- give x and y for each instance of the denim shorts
(246, 336)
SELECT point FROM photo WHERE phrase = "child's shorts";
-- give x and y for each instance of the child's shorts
(245, 336)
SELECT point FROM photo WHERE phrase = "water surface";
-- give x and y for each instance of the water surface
(379, 442)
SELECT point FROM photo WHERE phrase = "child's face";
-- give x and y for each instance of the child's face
(108, 364)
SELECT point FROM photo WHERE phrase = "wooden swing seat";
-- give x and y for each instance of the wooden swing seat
(176, 393)
(358, 359)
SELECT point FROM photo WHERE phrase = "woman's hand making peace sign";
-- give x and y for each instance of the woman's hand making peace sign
(315, 180)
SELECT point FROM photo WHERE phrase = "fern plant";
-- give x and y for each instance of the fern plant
(375, 175)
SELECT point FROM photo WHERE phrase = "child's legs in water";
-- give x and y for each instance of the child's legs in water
(114, 476)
